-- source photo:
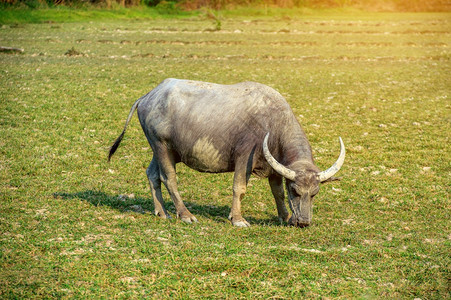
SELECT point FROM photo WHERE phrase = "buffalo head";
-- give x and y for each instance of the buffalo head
(302, 181)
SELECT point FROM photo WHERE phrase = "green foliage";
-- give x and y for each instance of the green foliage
(167, 7)
(215, 17)
(151, 2)
(72, 52)
(367, 5)
(74, 226)
(69, 14)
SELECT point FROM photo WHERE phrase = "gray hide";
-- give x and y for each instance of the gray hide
(221, 128)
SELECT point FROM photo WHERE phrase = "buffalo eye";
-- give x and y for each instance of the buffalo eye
(296, 189)
(314, 191)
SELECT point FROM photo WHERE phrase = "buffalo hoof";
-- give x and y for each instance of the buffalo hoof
(189, 220)
(241, 223)
(284, 219)
(162, 215)
(187, 217)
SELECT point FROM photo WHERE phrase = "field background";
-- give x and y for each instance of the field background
(72, 225)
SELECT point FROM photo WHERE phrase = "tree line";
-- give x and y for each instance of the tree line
(372, 5)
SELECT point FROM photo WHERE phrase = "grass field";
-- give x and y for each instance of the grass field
(72, 225)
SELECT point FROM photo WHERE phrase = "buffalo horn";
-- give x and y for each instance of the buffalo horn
(279, 168)
(327, 174)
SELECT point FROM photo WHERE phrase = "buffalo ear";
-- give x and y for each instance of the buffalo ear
(331, 179)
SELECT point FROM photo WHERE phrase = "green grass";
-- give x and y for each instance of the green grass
(380, 82)
(20, 15)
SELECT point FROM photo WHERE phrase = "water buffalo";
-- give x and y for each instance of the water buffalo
(246, 128)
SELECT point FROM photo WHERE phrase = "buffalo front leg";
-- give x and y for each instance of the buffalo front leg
(153, 174)
(240, 180)
(169, 178)
(276, 183)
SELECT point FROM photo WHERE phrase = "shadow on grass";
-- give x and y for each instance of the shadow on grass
(122, 203)
(127, 203)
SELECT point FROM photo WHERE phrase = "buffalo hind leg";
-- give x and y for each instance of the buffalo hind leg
(169, 178)
(153, 174)
(276, 183)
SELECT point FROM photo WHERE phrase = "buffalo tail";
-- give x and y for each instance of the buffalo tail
(119, 139)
